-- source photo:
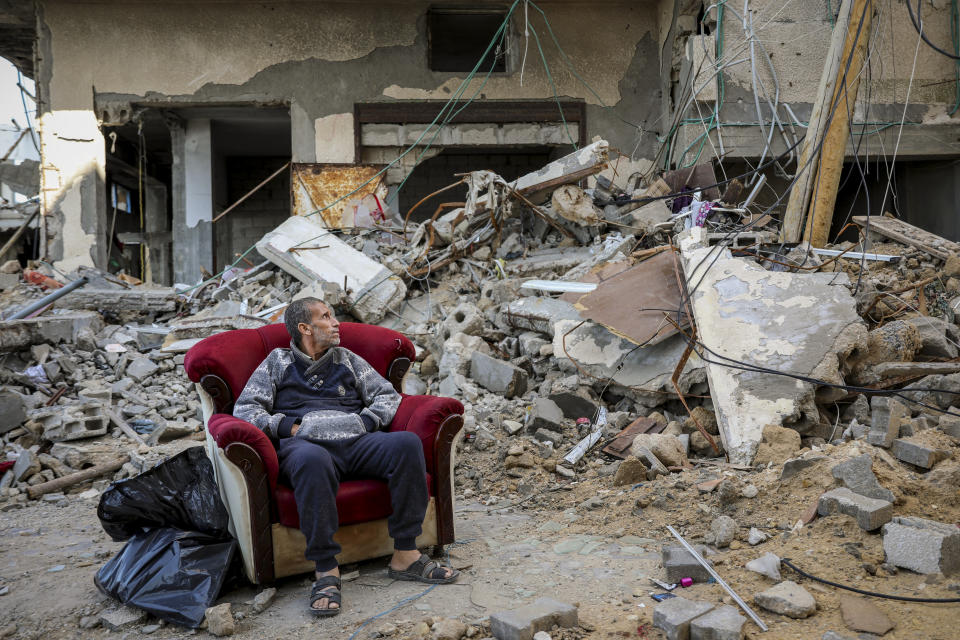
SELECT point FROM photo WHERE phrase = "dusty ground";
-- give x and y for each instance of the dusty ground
(599, 555)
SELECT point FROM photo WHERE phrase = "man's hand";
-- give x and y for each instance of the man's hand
(294, 429)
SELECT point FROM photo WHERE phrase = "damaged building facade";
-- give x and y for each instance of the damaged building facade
(152, 127)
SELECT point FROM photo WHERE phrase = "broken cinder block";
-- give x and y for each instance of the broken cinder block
(870, 513)
(921, 545)
(723, 623)
(498, 376)
(72, 422)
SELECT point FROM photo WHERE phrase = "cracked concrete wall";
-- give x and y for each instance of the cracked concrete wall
(319, 58)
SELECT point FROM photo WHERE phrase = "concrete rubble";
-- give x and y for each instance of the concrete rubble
(848, 463)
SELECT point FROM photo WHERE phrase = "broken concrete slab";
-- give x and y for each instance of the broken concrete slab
(141, 368)
(541, 615)
(545, 414)
(869, 513)
(320, 255)
(674, 615)
(857, 475)
(51, 329)
(921, 545)
(643, 374)
(797, 323)
(497, 375)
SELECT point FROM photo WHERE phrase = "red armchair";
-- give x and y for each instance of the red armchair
(263, 513)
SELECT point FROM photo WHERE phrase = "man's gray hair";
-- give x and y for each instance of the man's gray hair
(297, 312)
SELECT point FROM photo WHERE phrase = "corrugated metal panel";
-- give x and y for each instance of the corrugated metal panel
(317, 186)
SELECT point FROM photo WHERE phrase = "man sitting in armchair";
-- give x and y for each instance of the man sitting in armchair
(326, 408)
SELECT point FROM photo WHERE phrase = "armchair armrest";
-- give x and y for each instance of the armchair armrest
(436, 421)
(226, 430)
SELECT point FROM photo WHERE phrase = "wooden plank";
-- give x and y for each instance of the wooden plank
(837, 132)
(793, 218)
(906, 233)
(361, 541)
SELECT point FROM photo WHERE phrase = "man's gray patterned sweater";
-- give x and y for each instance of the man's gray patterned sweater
(336, 397)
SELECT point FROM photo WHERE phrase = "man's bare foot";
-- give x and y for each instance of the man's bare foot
(401, 560)
(324, 603)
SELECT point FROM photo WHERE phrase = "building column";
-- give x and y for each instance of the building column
(192, 199)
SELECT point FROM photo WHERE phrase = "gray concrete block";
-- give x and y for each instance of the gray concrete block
(950, 425)
(680, 563)
(924, 546)
(574, 405)
(673, 616)
(545, 435)
(141, 368)
(869, 513)
(857, 475)
(886, 416)
(12, 410)
(498, 376)
(545, 414)
(540, 615)
(723, 623)
(918, 454)
(72, 422)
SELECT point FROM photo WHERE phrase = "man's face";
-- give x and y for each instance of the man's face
(323, 331)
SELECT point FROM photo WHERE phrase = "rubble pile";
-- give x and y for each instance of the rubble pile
(630, 355)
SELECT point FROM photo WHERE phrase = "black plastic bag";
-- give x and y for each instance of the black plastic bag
(180, 492)
(175, 575)
(179, 548)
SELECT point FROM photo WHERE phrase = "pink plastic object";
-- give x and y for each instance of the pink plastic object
(686, 582)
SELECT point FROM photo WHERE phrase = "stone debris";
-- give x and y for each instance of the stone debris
(540, 615)
(767, 565)
(539, 366)
(219, 620)
(120, 618)
(860, 614)
(788, 599)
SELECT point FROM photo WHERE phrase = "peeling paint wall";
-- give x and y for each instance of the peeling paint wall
(320, 58)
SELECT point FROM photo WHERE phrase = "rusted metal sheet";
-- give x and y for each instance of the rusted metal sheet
(318, 186)
(634, 303)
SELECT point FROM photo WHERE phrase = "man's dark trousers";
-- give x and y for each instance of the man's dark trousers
(314, 472)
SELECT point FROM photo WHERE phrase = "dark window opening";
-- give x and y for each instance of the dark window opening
(459, 38)
(441, 170)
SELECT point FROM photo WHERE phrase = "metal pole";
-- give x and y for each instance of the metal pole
(716, 576)
(44, 301)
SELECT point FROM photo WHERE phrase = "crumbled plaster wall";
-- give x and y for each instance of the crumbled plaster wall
(109, 58)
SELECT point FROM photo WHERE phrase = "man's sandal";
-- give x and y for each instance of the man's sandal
(333, 597)
(424, 570)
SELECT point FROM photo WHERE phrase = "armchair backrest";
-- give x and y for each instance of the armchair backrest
(232, 356)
